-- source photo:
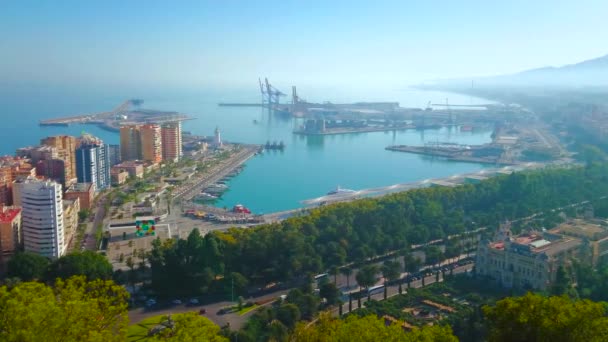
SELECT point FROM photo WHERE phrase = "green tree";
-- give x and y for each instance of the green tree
(28, 266)
(366, 276)
(186, 327)
(74, 310)
(367, 329)
(537, 318)
(288, 314)
(330, 292)
(88, 263)
(347, 272)
(562, 282)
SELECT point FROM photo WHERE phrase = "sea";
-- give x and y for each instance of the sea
(308, 167)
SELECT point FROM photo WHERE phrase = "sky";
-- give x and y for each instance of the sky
(232, 43)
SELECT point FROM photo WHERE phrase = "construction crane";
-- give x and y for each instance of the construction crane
(270, 95)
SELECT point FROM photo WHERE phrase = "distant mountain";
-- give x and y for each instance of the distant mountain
(593, 72)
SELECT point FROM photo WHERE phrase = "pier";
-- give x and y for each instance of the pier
(188, 191)
(127, 112)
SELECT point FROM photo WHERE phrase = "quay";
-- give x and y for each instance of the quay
(127, 112)
(187, 191)
(457, 153)
(229, 104)
(348, 130)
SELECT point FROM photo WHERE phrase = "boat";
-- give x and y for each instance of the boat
(340, 191)
(240, 209)
(216, 189)
(204, 196)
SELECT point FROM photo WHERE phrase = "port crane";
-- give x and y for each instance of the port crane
(270, 95)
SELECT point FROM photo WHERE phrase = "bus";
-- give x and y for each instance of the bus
(375, 289)
(321, 278)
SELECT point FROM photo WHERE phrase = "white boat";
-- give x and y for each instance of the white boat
(205, 197)
(341, 191)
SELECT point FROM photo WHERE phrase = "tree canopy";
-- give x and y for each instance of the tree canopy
(369, 328)
(88, 263)
(74, 310)
(28, 266)
(537, 318)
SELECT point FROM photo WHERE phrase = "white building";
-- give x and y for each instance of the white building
(42, 215)
(217, 139)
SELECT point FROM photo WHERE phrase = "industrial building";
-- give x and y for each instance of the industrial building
(43, 220)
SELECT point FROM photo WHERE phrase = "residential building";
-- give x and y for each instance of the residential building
(10, 233)
(66, 146)
(70, 219)
(134, 168)
(114, 154)
(53, 169)
(151, 149)
(12, 168)
(172, 141)
(84, 192)
(119, 176)
(529, 260)
(43, 221)
(93, 162)
(130, 142)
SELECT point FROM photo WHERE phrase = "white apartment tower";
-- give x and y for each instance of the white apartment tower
(42, 215)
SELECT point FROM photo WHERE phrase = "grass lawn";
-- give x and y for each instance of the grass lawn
(246, 310)
(139, 331)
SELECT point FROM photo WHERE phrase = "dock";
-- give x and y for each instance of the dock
(232, 104)
(347, 130)
(127, 112)
(188, 192)
(460, 153)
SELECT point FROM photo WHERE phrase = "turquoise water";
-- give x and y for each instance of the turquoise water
(309, 167)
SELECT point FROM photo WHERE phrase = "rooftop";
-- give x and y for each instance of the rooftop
(591, 230)
(8, 214)
(80, 187)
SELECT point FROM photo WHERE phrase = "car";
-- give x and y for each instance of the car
(193, 301)
(202, 311)
(176, 301)
(150, 302)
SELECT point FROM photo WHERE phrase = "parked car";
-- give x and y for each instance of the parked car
(202, 311)
(193, 301)
(150, 302)
(176, 301)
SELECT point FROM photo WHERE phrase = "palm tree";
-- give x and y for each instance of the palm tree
(366, 277)
(347, 271)
(334, 271)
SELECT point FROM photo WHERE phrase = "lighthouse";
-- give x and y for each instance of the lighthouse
(217, 139)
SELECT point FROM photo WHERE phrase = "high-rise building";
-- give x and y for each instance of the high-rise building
(66, 146)
(42, 215)
(53, 169)
(93, 162)
(114, 154)
(10, 232)
(172, 140)
(151, 142)
(130, 142)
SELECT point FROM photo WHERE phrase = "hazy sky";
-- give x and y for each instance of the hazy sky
(195, 43)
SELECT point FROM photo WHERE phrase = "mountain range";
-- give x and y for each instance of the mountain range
(592, 72)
